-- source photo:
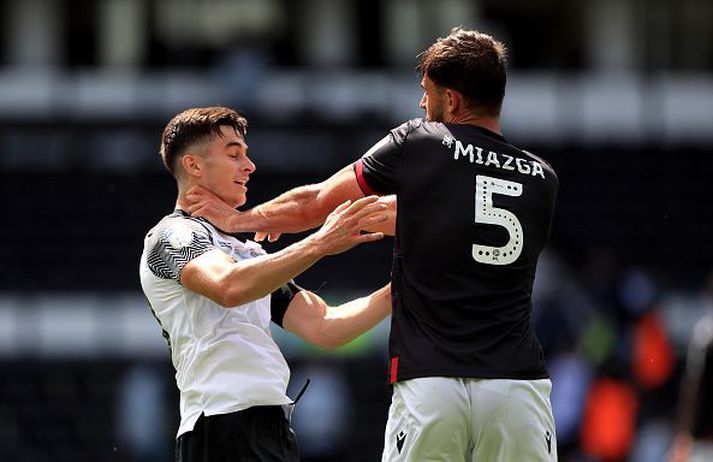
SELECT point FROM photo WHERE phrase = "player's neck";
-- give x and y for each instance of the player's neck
(181, 202)
(489, 122)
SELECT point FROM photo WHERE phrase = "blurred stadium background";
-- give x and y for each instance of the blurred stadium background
(616, 94)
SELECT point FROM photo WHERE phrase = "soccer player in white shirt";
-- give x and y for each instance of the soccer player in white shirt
(215, 295)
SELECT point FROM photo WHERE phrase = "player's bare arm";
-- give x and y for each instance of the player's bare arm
(297, 210)
(332, 326)
(218, 277)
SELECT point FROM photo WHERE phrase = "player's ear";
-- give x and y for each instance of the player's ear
(192, 164)
(455, 100)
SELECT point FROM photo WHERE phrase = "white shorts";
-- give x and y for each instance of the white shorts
(483, 420)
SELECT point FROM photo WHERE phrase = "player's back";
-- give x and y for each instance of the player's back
(474, 213)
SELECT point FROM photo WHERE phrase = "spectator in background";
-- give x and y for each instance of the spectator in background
(141, 415)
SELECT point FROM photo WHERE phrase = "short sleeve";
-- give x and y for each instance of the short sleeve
(170, 247)
(280, 300)
(377, 170)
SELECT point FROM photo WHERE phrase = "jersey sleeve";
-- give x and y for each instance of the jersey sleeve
(377, 170)
(172, 246)
(280, 300)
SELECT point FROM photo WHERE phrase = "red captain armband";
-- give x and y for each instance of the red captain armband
(394, 369)
(359, 171)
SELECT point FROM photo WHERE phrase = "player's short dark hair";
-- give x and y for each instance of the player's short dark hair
(471, 63)
(194, 126)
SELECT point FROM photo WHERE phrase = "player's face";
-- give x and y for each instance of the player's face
(227, 167)
(433, 101)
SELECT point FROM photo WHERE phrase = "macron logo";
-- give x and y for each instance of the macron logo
(400, 439)
(447, 141)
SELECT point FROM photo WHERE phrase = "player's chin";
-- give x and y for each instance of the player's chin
(236, 198)
(432, 117)
(240, 199)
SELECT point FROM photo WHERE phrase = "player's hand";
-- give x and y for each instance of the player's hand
(388, 227)
(204, 203)
(271, 237)
(344, 227)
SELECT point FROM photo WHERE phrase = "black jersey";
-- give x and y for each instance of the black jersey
(474, 213)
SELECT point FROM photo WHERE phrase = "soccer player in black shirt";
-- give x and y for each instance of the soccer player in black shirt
(473, 214)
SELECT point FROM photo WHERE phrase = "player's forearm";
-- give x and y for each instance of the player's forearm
(344, 323)
(296, 210)
(249, 280)
(303, 208)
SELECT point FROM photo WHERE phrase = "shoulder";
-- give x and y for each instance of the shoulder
(177, 231)
(545, 165)
(419, 129)
(410, 125)
(173, 242)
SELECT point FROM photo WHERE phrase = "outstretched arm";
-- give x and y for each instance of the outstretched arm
(297, 210)
(311, 318)
(217, 276)
(307, 206)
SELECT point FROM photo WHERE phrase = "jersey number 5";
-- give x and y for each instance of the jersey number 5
(485, 187)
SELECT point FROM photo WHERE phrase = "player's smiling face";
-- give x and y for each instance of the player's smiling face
(433, 101)
(227, 167)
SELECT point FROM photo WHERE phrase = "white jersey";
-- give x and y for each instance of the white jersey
(225, 359)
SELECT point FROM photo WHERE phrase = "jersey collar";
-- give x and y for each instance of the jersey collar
(490, 133)
(242, 237)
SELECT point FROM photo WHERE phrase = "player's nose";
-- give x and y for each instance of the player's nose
(249, 165)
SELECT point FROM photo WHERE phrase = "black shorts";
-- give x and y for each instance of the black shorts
(260, 434)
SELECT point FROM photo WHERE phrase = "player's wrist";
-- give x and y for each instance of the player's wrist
(239, 222)
(234, 222)
(316, 246)
(258, 218)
